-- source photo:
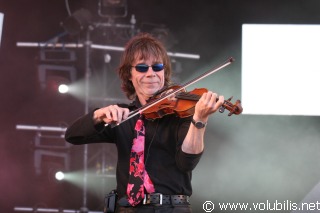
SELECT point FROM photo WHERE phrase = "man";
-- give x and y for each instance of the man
(166, 149)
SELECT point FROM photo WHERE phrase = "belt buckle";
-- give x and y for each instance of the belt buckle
(160, 198)
(146, 195)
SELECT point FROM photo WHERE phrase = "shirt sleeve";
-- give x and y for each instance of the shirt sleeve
(84, 131)
(187, 162)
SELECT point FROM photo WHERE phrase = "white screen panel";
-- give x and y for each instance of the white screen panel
(281, 69)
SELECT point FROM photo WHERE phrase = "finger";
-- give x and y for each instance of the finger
(125, 114)
(221, 99)
(115, 113)
(218, 102)
(99, 115)
(111, 114)
(121, 114)
(212, 98)
(108, 116)
(203, 97)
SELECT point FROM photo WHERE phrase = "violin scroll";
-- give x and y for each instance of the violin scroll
(232, 108)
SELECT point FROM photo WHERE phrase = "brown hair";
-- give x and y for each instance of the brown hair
(143, 45)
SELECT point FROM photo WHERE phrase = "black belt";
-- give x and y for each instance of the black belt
(160, 199)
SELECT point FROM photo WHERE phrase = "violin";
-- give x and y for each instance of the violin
(183, 105)
(184, 102)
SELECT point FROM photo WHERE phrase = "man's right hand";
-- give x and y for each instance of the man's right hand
(110, 114)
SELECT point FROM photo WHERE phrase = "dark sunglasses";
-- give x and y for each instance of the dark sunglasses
(144, 67)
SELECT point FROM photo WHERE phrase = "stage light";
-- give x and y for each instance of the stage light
(52, 77)
(59, 175)
(63, 88)
(56, 68)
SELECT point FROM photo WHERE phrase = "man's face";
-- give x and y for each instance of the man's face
(146, 83)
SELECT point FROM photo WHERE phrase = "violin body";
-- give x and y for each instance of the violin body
(183, 104)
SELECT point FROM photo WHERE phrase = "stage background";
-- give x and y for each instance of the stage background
(248, 158)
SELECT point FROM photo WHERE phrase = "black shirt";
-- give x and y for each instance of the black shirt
(167, 165)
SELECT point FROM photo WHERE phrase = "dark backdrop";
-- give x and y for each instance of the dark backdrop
(248, 158)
